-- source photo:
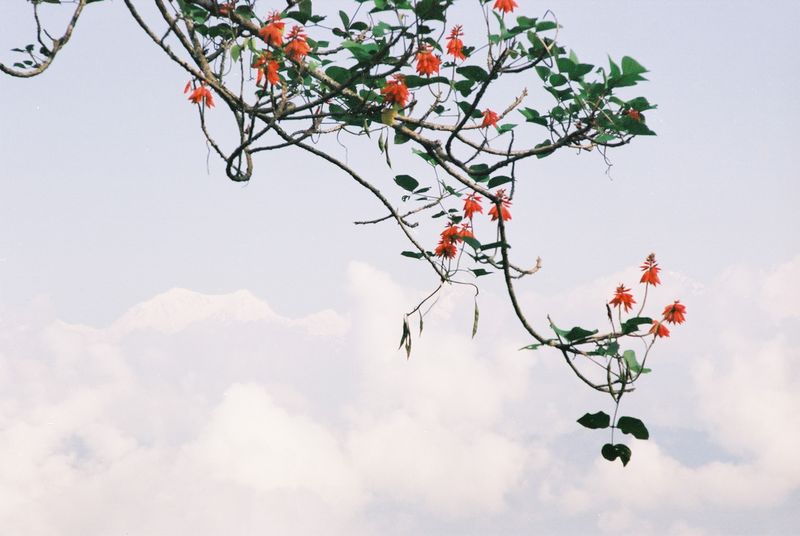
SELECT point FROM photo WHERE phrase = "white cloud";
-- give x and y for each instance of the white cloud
(214, 414)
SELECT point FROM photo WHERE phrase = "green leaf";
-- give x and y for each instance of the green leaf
(633, 365)
(473, 243)
(339, 74)
(414, 81)
(595, 420)
(574, 334)
(345, 19)
(464, 87)
(533, 116)
(543, 72)
(363, 52)
(526, 23)
(478, 172)
(478, 272)
(631, 66)
(236, 52)
(497, 181)
(406, 182)
(502, 129)
(532, 346)
(495, 245)
(557, 79)
(633, 426)
(612, 452)
(632, 324)
(473, 72)
(465, 106)
(412, 254)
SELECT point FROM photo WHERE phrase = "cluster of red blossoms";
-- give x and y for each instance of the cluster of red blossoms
(395, 92)
(674, 313)
(453, 234)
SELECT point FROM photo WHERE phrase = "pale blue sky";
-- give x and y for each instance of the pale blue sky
(107, 201)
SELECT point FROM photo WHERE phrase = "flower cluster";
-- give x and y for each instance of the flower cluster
(297, 46)
(427, 63)
(674, 313)
(455, 46)
(395, 91)
(452, 235)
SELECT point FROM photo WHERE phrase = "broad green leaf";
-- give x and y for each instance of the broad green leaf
(632, 324)
(473, 243)
(612, 452)
(633, 365)
(473, 72)
(574, 334)
(497, 181)
(406, 182)
(631, 66)
(595, 420)
(633, 426)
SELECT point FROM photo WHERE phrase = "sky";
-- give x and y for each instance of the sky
(180, 354)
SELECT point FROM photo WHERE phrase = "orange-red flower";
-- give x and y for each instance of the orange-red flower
(455, 46)
(201, 94)
(272, 32)
(395, 91)
(623, 297)
(427, 63)
(226, 8)
(505, 6)
(446, 249)
(634, 114)
(267, 68)
(650, 269)
(659, 329)
(451, 233)
(297, 47)
(675, 313)
(472, 204)
(504, 204)
(490, 119)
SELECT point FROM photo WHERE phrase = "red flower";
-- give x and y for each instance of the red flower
(451, 233)
(446, 249)
(650, 269)
(472, 204)
(489, 119)
(675, 313)
(272, 33)
(659, 329)
(455, 46)
(504, 204)
(466, 231)
(226, 8)
(395, 91)
(622, 297)
(427, 63)
(505, 6)
(200, 94)
(267, 67)
(634, 114)
(297, 47)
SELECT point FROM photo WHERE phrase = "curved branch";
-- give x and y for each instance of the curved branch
(58, 44)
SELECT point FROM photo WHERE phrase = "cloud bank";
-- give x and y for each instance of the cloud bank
(206, 415)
